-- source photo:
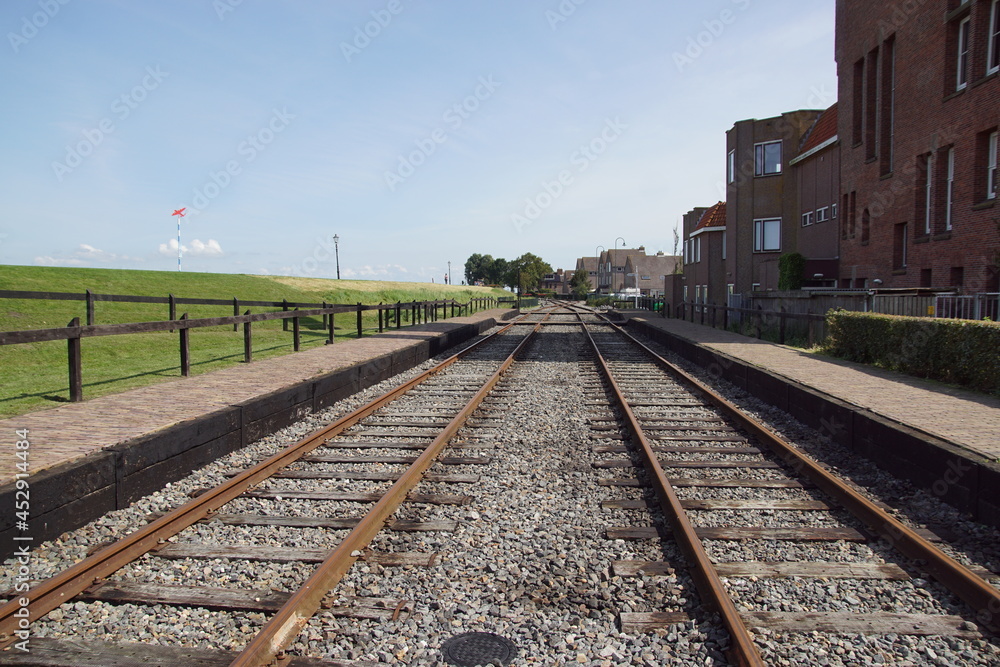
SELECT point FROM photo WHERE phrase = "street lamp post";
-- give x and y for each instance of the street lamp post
(336, 253)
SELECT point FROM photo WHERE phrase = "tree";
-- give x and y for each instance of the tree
(497, 272)
(579, 284)
(527, 271)
(478, 267)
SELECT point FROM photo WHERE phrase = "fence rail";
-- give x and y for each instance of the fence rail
(813, 326)
(389, 316)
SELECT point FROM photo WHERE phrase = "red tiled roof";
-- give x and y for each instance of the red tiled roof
(713, 217)
(824, 129)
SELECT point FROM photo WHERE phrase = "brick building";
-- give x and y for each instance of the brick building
(705, 241)
(919, 112)
(647, 273)
(589, 264)
(762, 201)
(817, 179)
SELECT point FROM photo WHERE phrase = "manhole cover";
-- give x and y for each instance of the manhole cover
(478, 648)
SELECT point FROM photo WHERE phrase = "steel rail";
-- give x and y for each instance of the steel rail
(268, 645)
(743, 651)
(62, 587)
(983, 598)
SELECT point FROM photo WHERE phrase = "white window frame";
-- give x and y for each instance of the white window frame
(833, 211)
(697, 249)
(993, 58)
(823, 214)
(760, 235)
(723, 244)
(760, 163)
(950, 201)
(731, 166)
(991, 167)
(963, 53)
(807, 218)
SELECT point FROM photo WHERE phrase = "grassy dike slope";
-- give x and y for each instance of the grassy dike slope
(34, 376)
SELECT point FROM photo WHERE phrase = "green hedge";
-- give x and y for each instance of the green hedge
(962, 352)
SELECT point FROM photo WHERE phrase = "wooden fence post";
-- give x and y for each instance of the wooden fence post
(284, 307)
(324, 315)
(329, 340)
(812, 328)
(359, 319)
(760, 321)
(398, 308)
(90, 308)
(75, 365)
(781, 325)
(295, 332)
(381, 314)
(171, 309)
(236, 313)
(247, 340)
(185, 349)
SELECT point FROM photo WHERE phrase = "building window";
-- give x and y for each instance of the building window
(731, 168)
(767, 158)
(697, 249)
(957, 276)
(962, 64)
(767, 235)
(925, 192)
(871, 105)
(900, 246)
(723, 245)
(807, 219)
(993, 60)
(991, 167)
(888, 110)
(833, 211)
(823, 214)
(755, 287)
(859, 102)
(949, 190)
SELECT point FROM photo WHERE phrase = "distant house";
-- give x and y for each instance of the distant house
(558, 282)
(590, 265)
(647, 273)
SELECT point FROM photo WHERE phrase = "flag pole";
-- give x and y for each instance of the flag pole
(179, 213)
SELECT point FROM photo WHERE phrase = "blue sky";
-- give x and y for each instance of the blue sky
(419, 132)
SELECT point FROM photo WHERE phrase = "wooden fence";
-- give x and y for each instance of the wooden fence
(389, 315)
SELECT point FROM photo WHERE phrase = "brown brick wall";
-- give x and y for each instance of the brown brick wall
(929, 116)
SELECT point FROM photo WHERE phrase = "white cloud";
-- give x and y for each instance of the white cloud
(210, 248)
(85, 255)
(52, 261)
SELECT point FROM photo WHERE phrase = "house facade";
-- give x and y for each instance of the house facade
(919, 113)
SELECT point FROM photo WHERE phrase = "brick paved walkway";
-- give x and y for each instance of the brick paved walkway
(966, 418)
(74, 430)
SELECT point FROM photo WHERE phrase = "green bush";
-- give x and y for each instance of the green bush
(790, 269)
(962, 352)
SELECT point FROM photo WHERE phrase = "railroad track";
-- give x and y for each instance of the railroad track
(476, 497)
(723, 481)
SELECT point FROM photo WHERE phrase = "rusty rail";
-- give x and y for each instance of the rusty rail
(713, 592)
(62, 587)
(983, 598)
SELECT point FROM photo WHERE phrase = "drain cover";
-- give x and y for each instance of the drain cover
(478, 648)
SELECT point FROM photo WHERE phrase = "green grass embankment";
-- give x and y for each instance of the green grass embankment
(35, 376)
